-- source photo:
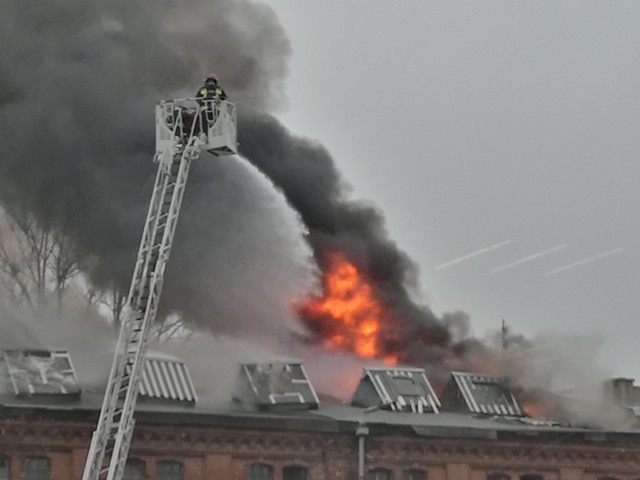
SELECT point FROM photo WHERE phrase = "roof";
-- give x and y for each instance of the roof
(215, 408)
(480, 394)
(400, 389)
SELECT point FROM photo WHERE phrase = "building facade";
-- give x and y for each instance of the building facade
(33, 448)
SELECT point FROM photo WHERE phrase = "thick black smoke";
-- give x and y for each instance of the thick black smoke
(307, 175)
(78, 83)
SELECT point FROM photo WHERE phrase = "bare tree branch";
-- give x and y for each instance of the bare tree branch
(115, 300)
(36, 261)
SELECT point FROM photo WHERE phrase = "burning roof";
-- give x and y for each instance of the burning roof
(392, 399)
(275, 385)
(480, 394)
(40, 372)
(348, 316)
(400, 389)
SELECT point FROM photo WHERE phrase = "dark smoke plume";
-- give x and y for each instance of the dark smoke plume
(78, 85)
(306, 174)
(77, 88)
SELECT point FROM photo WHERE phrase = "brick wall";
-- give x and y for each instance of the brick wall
(226, 454)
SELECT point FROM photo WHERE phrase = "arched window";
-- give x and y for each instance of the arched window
(294, 472)
(379, 474)
(531, 476)
(169, 471)
(36, 468)
(5, 470)
(260, 471)
(498, 476)
(133, 470)
(414, 474)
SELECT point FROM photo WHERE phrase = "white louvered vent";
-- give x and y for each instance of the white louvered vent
(167, 379)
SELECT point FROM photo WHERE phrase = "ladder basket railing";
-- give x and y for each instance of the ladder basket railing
(187, 115)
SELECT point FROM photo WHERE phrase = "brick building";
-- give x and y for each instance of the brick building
(274, 427)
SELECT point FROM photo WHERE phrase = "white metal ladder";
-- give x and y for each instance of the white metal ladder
(111, 440)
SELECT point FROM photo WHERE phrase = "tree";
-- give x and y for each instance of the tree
(37, 261)
(115, 300)
(38, 265)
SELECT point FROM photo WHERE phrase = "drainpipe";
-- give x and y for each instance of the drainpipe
(361, 432)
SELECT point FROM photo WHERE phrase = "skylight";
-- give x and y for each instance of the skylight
(41, 372)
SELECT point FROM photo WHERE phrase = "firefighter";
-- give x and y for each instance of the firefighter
(214, 94)
(211, 90)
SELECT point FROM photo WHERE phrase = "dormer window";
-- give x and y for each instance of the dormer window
(400, 389)
(480, 394)
(40, 373)
(276, 385)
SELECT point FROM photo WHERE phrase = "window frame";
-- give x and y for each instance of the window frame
(5, 462)
(498, 476)
(409, 473)
(267, 466)
(373, 473)
(295, 468)
(160, 463)
(136, 461)
(27, 475)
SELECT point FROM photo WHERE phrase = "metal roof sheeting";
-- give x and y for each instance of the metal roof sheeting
(167, 380)
(486, 394)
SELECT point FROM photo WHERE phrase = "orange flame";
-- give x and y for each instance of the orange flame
(348, 313)
(534, 410)
(539, 405)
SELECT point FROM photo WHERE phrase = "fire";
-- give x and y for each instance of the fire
(534, 410)
(348, 315)
(538, 405)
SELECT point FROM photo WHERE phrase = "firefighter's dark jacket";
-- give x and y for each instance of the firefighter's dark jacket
(211, 90)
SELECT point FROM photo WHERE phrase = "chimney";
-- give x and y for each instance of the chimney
(622, 391)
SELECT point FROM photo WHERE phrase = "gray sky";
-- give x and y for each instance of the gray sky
(513, 125)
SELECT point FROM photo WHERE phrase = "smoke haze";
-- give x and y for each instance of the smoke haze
(78, 85)
(77, 89)
(77, 98)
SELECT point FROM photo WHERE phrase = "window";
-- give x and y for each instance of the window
(260, 471)
(406, 386)
(531, 476)
(498, 476)
(293, 472)
(36, 468)
(169, 471)
(380, 474)
(4, 468)
(414, 475)
(134, 470)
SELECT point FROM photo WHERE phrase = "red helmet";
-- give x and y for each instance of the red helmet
(212, 76)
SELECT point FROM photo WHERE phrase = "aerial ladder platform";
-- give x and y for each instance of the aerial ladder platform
(184, 128)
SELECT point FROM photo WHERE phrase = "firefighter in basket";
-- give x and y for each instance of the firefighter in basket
(209, 97)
